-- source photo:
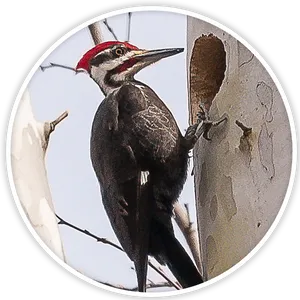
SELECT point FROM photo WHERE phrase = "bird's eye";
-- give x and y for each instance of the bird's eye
(119, 51)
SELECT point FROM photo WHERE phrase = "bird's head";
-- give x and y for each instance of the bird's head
(110, 64)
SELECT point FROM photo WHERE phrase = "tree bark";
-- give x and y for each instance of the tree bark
(242, 174)
(28, 148)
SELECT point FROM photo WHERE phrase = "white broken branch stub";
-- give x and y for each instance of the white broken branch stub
(30, 139)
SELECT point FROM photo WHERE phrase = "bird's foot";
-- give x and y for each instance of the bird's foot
(202, 127)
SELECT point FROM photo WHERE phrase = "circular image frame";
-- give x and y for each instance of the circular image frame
(137, 9)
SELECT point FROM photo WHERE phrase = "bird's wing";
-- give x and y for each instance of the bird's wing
(156, 131)
(128, 211)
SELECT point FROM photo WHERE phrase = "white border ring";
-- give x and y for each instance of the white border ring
(136, 9)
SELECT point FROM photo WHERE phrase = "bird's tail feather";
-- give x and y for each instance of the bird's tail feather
(142, 230)
(176, 258)
(141, 267)
(181, 265)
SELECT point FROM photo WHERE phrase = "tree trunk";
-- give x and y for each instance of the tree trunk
(242, 174)
(29, 143)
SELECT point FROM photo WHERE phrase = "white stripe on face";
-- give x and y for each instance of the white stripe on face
(112, 64)
(128, 73)
(98, 73)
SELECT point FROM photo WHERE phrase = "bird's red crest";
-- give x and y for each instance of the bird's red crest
(84, 61)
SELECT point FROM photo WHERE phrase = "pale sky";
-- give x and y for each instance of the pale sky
(74, 187)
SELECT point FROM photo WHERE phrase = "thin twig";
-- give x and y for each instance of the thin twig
(98, 239)
(54, 65)
(129, 26)
(108, 242)
(153, 286)
(54, 123)
(163, 274)
(110, 29)
(49, 127)
(150, 285)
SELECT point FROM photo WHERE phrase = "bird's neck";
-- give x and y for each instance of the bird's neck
(110, 84)
(109, 81)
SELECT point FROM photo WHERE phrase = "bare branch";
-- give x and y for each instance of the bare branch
(163, 274)
(110, 29)
(189, 231)
(108, 242)
(49, 127)
(98, 239)
(150, 285)
(96, 33)
(54, 65)
(153, 285)
(54, 123)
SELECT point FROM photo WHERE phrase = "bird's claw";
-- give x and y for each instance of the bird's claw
(202, 114)
(202, 127)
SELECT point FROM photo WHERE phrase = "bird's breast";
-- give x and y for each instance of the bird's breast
(133, 99)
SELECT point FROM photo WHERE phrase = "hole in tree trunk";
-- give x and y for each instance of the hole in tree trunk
(207, 71)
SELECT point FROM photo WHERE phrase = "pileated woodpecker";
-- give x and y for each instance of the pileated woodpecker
(134, 132)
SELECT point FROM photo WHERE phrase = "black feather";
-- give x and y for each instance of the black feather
(134, 131)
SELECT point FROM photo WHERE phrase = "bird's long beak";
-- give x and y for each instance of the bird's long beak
(152, 56)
